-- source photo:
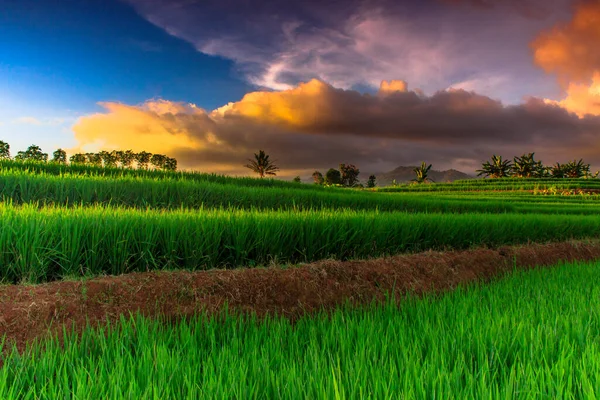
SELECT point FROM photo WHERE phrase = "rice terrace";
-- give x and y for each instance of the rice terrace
(239, 200)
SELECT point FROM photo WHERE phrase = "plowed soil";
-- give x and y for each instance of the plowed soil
(28, 312)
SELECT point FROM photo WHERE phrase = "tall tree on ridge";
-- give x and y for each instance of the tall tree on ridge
(372, 182)
(422, 173)
(262, 165)
(143, 158)
(158, 161)
(4, 150)
(318, 178)
(78, 158)
(33, 153)
(349, 174)
(59, 156)
(498, 168)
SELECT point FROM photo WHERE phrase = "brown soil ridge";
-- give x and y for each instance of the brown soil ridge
(28, 312)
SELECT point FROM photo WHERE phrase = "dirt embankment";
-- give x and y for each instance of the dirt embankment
(28, 312)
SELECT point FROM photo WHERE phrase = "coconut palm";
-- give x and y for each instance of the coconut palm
(262, 165)
(422, 173)
(498, 168)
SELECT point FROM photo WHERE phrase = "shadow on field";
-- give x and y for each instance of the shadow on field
(28, 312)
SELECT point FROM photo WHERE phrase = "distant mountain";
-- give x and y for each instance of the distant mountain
(405, 174)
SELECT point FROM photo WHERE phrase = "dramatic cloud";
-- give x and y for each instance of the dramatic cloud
(316, 125)
(157, 126)
(582, 99)
(357, 44)
(535, 9)
(571, 50)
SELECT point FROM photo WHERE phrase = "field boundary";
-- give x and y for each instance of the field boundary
(29, 312)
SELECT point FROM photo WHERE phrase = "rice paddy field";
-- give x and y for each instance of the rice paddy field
(530, 334)
(515, 338)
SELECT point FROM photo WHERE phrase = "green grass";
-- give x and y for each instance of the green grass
(38, 245)
(534, 334)
(496, 185)
(38, 168)
(21, 187)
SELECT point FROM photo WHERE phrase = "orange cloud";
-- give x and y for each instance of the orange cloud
(294, 107)
(572, 50)
(582, 99)
(316, 125)
(392, 86)
(156, 126)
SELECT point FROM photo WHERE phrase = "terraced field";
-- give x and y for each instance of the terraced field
(66, 228)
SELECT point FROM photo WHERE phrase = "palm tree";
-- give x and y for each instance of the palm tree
(576, 169)
(558, 170)
(422, 173)
(262, 165)
(498, 168)
(526, 167)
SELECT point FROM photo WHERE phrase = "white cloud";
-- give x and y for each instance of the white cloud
(27, 121)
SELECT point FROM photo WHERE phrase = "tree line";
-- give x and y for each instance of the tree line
(526, 166)
(115, 158)
(346, 176)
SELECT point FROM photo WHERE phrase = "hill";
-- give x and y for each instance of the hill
(405, 174)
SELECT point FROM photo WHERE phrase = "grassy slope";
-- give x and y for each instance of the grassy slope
(19, 187)
(138, 220)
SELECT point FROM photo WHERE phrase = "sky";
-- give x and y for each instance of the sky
(315, 83)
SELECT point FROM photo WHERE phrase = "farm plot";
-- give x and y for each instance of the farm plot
(68, 222)
(533, 334)
(43, 244)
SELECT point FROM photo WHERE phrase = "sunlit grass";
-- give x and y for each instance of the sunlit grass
(44, 244)
(534, 334)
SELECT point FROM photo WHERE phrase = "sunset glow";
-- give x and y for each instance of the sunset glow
(365, 78)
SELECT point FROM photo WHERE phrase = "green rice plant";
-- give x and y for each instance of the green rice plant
(70, 190)
(533, 334)
(42, 244)
(36, 168)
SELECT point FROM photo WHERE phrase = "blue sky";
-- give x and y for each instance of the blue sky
(470, 78)
(57, 60)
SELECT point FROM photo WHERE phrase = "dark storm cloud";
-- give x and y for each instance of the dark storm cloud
(316, 125)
